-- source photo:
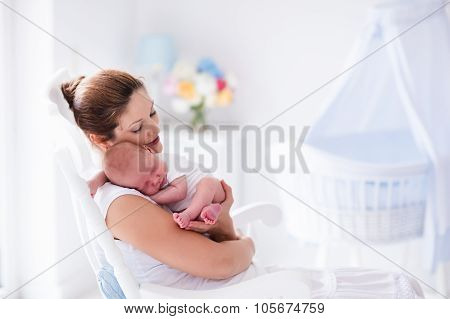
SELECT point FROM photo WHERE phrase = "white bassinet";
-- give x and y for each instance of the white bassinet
(372, 184)
(379, 153)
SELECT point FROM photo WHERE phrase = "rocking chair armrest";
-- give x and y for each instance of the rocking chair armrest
(268, 213)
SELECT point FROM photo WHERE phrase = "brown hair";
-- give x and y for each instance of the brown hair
(98, 101)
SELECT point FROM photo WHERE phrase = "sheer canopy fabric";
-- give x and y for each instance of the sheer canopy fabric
(401, 83)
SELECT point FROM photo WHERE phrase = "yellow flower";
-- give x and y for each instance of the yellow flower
(224, 97)
(186, 90)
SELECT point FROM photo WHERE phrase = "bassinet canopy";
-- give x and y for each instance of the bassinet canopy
(392, 110)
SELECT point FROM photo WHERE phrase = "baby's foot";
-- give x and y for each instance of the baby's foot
(182, 219)
(210, 213)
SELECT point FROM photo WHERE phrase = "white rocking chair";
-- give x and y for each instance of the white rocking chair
(74, 160)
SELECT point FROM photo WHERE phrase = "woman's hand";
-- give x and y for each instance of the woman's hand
(223, 229)
(98, 180)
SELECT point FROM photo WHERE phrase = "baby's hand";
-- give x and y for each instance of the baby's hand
(173, 192)
(98, 180)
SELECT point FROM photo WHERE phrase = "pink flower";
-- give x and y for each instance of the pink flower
(221, 84)
(170, 86)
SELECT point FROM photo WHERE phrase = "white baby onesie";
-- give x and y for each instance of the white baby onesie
(178, 166)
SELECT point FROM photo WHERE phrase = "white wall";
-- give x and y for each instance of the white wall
(101, 33)
(279, 51)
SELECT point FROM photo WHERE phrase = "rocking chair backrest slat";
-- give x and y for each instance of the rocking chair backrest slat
(73, 157)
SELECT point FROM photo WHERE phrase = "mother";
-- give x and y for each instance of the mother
(113, 106)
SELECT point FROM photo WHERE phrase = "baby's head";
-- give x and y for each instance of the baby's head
(129, 165)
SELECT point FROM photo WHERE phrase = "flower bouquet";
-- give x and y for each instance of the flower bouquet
(194, 88)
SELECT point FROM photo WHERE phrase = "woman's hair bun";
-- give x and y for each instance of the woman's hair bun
(69, 88)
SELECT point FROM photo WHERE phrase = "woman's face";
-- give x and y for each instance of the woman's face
(139, 124)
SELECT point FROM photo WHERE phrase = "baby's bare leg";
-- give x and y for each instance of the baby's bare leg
(208, 191)
(219, 194)
(210, 213)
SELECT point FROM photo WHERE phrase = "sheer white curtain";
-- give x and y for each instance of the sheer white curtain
(34, 228)
(7, 142)
(33, 195)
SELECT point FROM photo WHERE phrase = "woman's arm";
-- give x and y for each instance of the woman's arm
(150, 229)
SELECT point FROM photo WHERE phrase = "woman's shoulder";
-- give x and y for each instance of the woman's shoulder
(109, 192)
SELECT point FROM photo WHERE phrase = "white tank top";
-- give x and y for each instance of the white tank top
(147, 269)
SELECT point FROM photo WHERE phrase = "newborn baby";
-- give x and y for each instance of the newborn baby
(191, 195)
